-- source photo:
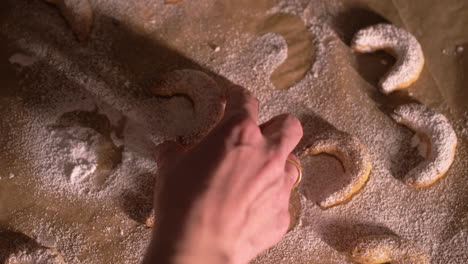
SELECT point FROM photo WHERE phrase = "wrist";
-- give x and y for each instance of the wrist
(191, 247)
(201, 257)
(200, 248)
(182, 253)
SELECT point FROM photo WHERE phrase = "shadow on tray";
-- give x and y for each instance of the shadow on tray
(137, 58)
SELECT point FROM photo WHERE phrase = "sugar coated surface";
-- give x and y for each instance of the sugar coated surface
(80, 125)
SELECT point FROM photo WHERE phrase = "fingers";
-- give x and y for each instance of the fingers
(292, 172)
(240, 102)
(167, 152)
(239, 124)
(287, 181)
(284, 132)
(289, 178)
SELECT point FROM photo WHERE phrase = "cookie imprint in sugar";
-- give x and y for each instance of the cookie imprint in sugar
(79, 149)
(254, 66)
(300, 50)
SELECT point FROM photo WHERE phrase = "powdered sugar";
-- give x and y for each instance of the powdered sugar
(22, 60)
(421, 145)
(35, 254)
(402, 44)
(253, 66)
(77, 149)
(354, 157)
(89, 223)
(386, 248)
(441, 137)
(208, 99)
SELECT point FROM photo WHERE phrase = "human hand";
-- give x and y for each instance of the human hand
(226, 200)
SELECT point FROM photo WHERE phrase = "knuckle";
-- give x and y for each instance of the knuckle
(294, 123)
(287, 134)
(274, 165)
(251, 100)
(274, 155)
(246, 99)
(247, 124)
(276, 158)
(243, 128)
(235, 121)
(246, 128)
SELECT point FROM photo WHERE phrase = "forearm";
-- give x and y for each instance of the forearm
(184, 243)
(165, 253)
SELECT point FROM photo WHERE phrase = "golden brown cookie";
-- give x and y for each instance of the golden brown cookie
(377, 249)
(437, 134)
(294, 209)
(352, 154)
(207, 97)
(398, 42)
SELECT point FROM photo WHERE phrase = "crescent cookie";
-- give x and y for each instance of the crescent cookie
(294, 210)
(34, 253)
(438, 134)
(78, 14)
(378, 249)
(207, 97)
(398, 42)
(352, 154)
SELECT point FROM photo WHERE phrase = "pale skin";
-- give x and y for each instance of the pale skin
(226, 199)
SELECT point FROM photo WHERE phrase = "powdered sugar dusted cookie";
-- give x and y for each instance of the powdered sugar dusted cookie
(207, 97)
(33, 253)
(78, 14)
(386, 249)
(435, 131)
(352, 154)
(401, 44)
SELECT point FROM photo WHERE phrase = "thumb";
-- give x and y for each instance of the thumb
(168, 152)
(165, 154)
(293, 171)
